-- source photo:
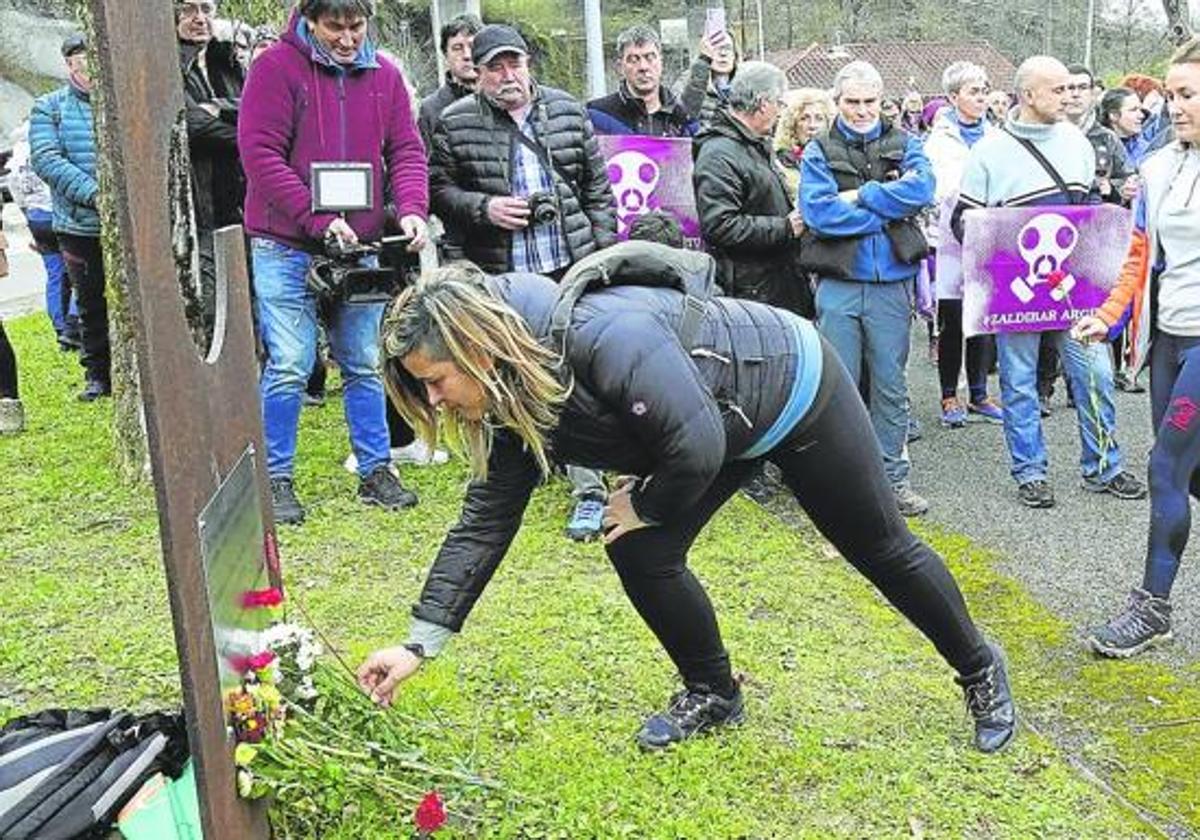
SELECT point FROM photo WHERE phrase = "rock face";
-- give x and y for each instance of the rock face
(30, 61)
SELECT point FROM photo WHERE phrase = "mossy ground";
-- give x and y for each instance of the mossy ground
(855, 728)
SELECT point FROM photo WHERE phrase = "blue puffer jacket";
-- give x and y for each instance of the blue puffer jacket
(63, 153)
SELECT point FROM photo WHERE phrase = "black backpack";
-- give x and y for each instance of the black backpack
(638, 263)
(66, 773)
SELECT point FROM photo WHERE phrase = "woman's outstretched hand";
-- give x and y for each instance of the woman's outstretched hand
(619, 516)
(384, 669)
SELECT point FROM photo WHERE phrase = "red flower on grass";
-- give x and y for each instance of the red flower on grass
(256, 662)
(258, 598)
(431, 813)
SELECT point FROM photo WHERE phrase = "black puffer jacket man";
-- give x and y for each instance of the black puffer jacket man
(747, 217)
(513, 140)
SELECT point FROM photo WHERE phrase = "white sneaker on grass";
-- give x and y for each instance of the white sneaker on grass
(416, 453)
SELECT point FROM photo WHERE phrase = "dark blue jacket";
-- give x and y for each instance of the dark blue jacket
(879, 202)
(62, 148)
(622, 113)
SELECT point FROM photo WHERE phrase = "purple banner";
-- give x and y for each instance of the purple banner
(652, 173)
(1033, 269)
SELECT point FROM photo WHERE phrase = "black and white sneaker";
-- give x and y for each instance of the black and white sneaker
(1146, 621)
(383, 489)
(989, 700)
(1036, 494)
(1123, 485)
(690, 712)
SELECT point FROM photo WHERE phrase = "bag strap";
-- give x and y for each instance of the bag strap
(1045, 164)
(543, 154)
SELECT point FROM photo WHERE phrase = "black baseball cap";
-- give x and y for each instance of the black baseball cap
(496, 38)
(73, 43)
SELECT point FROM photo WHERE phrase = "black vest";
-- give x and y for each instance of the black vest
(854, 163)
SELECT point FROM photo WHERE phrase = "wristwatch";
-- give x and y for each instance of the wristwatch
(416, 648)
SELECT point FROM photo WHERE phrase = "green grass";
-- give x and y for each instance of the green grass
(855, 728)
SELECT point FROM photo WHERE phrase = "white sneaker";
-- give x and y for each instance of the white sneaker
(12, 416)
(418, 453)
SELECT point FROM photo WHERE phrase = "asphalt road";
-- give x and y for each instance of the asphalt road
(23, 290)
(1078, 558)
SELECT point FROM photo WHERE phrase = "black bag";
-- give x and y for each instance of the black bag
(907, 240)
(638, 263)
(66, 773)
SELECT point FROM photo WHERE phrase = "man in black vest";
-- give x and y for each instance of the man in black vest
(861, 185)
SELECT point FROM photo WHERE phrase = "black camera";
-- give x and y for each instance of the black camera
(543, 208)
(338, 275)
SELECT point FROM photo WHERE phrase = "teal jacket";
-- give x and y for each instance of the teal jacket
(63, 152)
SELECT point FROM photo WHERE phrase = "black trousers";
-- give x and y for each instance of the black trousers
(980, 350)
(85, 266)
(8, 367)
(832, 463)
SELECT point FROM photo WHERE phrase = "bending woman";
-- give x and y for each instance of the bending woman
(1158, 294)
(467, 356)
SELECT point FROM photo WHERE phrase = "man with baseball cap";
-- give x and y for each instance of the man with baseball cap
(517, 178)
(62, 150)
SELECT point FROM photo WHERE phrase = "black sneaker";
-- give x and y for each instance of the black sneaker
(1036, 494)
(1044, 406)
(1146, 621)
(689, 713)
(989, 700)
(382, 488)
(284, 503)
(1123, 485)
(93, 390)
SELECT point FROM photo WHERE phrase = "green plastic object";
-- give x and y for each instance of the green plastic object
(173, 813)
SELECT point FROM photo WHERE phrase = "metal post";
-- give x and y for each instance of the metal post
(596, 82)
(435, 22)
(1091, 31)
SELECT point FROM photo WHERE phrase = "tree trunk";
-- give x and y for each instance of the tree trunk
(129, 429)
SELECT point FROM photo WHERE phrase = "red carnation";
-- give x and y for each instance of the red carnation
(255, 598)
(431, 813)
(1054, 278)
(259, 661)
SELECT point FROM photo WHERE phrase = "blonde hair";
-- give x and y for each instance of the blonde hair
(789, 132)
(450, 315)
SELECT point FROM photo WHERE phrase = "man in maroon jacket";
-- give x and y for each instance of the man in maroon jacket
(324, 95)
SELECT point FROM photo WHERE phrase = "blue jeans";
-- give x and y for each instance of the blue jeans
(60, 304)
(868, 323)
(287, 315)
(1089, 370)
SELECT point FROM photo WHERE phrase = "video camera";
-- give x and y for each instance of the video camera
(338, 276)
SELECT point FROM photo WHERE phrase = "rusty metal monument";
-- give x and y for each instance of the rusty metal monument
(202, 414)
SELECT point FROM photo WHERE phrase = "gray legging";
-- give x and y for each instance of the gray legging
(832, 463)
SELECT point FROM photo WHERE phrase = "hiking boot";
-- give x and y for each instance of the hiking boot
(1146, 621)
(93, 390)
(909, 501)
(954, 416)
(384, 489)
(418, 454)
(284, 503)
(988, 409)
(587, 520)
(1129, 384)
(989, 700)
(1036, 494)
(1123, 485)
(12, 416)
(688, 713)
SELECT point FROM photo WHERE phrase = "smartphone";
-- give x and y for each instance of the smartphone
(714, 23)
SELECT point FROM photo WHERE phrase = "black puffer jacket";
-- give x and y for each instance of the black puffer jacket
(436, 102)
(640, 406)
(471, 162)
(743, 204)
(217, 177)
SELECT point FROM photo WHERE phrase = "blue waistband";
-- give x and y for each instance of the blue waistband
(804, 389)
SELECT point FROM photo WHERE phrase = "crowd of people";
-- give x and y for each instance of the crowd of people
(830, 219)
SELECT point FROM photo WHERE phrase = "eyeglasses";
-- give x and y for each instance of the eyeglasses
(193, 10)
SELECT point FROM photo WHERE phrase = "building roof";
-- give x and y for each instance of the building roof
(904, 65)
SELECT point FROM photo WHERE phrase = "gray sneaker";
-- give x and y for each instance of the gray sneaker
(909, 502)
(1146, 621)
(12, 417)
